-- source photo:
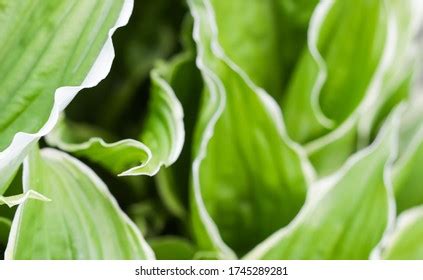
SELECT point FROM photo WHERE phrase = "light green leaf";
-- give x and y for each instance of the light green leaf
(332, 68)
(172, 248)
(21, 198)
(49, 51)
(82, 221)
(82, 141)
(406, 241)
(406, 17)
(151, 34)
(407, 174)
(269, 37)
(346, 214)
(185, 79)
(247, 175)
(382, 79)
(162, 137)
(329, 153)
(370, 123)
(163, 132)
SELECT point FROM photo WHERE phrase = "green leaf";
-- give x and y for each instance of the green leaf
(247, 175)
(83, 141)
(185, 79)
(407, 174)
(406, 241)
(332, 68)
(151, 34)
(4, 234)
(269, 37)
(82, 221)
(163, 131)
(49, 51)
(172, 248)
(346, 214)
(162, 137)
(4, 230)
(388, 67)
(370, 124)
(329, 153)
(21, 198)
(405, 17)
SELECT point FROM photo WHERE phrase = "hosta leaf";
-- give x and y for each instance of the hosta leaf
(162, 137)
(49, 51)
(83, 220)
(329, 152)
(383, 81)
(20, 198)
(163, 132)
(185, 80)
(247, 175)
(406, 241)
(83, 141)
(407, 16)
(370, 124)
(407, 174)
(269, 38)
(151, 34)
(346, 214)
(332, 69)
(172, 248)
(4, 230)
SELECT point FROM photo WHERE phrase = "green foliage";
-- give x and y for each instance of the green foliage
(82, 220)
(268, 129)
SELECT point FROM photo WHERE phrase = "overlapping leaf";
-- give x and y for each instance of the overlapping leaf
(185, 79)
(407, 174)
(20, 198)
(345, 215)
(82, 220)
(247, 175)
(359, 82)
(332, 68)
(268, 89)
(162, 137)
(49, 51)
(399, 77)
(406, 242)
(263, 30)
(150, 35)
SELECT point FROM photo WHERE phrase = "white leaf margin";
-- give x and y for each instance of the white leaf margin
(176, 110)
(408, 34)
(371, 95)
(404, 221)
(14, 200)
(73, 148)
(318, 189)
(401, 160)
(215, 86)
(101, 186)
(13, 155)
(319, 15)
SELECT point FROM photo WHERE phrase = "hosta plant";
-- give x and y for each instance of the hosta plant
(253, 129)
